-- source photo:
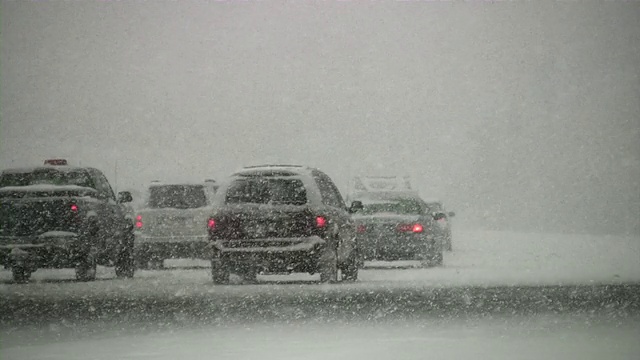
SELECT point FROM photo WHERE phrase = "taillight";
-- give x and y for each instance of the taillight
(211, 224)
(415, 228)
(361, 229)
(139, 221)
(74, 208)
(321, 221)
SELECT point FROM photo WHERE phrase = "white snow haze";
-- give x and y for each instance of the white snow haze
(521, 116)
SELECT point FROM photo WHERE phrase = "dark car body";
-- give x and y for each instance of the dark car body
(281, 219)
(393, 226)
(62, 216)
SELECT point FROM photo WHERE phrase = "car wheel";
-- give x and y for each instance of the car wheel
(350, 268)
(20, 274)
(142, 263)
(219, 272)
(328, 265)
(125, 265)
(156, 263)
(250, 276)
(86, 268)
(433, 260)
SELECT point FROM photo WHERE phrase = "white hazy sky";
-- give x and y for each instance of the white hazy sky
(520, 115)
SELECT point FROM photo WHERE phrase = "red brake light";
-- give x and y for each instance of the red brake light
(211, 224)
(321, 221)
(74, 208)
(139, 221)
(415, 228)
(361, 229)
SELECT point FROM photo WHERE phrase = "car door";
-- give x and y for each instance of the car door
(339, 213)
(110, 212)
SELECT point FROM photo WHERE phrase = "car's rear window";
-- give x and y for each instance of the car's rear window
(177, 196)
(47, 177)
(404, 207)
(267, 191)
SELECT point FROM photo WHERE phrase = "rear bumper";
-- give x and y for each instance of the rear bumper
(271, 254)
(268, 245)
(56, 252)
(399, 247)
(168, 247)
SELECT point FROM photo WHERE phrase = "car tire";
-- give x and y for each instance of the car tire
(447, 243)
(87, 267)
(125, 265)
(250, 276)
(328, 266)
(156, 263)
(433, 260)
(350, 269)
(219, 272)
(20, 274)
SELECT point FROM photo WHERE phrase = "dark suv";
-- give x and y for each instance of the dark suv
(282, 219)
(57, 216)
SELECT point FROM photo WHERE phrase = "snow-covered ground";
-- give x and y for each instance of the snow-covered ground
(479, 258)
(533, 337)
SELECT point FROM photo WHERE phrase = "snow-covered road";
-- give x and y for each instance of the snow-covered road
(534, 337)
(480, 258)
(499, 296)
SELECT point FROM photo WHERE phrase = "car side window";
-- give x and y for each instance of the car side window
(102, 185)
(329, 192)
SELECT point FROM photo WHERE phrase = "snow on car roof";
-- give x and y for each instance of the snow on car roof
(275, 170)
(432, 200)
(385, 194)
(181, 183)
(21, 170)
(45, 187)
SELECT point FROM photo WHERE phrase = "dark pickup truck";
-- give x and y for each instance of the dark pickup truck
(58, 216)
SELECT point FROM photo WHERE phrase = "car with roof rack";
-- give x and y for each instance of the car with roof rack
(273, 219)
(59, 216)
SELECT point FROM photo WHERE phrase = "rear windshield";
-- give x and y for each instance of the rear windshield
(404, 207)
(177, 196)
(267, 191)
(47, 177)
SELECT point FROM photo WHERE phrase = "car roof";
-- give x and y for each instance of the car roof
(62, 168)
(274, 170)
(187, 183)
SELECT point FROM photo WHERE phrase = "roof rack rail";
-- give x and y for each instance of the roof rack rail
(271, 165)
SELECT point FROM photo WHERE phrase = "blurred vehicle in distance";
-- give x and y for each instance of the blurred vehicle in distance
(172, 223)
(398, 226)
(282, 219)
(444, 221)
(61, 216)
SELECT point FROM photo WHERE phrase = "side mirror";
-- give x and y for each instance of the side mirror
(439, 216)
(356, 206)
(452, 214)
(124, 197)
